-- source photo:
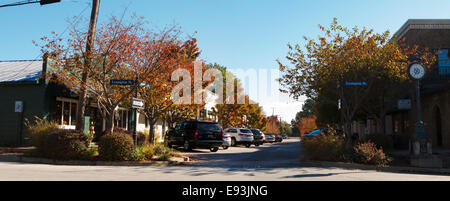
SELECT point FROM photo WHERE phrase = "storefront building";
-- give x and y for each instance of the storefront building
(25, 94)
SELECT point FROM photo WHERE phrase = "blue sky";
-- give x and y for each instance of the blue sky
(234, 33)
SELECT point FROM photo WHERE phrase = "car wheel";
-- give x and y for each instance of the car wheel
(257, 144)
(214, 149)
(233, 142)
(248, 145)
(225, 147)
(187, 146)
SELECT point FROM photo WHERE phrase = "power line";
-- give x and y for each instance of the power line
(42, 2)
(62, 34)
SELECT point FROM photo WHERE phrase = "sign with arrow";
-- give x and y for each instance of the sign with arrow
(137, 103)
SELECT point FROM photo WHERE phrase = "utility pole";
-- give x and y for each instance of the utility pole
(90, 43)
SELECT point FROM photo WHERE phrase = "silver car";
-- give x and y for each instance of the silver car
(240, 136)
(226, 140)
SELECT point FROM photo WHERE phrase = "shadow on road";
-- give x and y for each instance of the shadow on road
(285, 154)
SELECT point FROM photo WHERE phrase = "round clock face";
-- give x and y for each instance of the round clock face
(416, 71)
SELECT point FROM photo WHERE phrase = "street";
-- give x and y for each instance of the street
(270, 162)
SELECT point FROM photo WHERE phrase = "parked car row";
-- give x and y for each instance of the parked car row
(210, 135)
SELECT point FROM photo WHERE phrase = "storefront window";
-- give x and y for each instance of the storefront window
(66, 112)
(121, 118)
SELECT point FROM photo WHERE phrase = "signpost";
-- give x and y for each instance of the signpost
(135, 104)
(18, 108)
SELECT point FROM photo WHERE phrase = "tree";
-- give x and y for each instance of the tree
(123, 51)
(158, 102)
(341, 55)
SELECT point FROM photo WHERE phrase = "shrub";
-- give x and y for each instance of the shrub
(165, 153)
(39, 130)
(144, 152)
(368, 153)
(141, 137)
(116, 147)
(324, 147)
(65, 145)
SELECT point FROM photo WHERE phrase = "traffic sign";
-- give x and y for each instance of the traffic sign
(137, 103)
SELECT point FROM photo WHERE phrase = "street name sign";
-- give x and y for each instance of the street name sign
(121, 82)
(355, 83)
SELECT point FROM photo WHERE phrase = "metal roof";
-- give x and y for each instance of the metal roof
(19, 71)
(422, 24)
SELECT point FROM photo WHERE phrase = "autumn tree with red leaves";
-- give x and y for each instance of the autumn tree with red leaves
(122, 51)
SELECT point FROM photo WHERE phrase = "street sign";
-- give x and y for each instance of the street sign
(404, 104)
(137, 103)
(355, 83)
(121, 82)
(18, 107)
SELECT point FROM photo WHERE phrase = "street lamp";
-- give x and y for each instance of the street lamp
(420, 143)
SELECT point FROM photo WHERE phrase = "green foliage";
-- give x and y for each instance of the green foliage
(141, 137)
(164, 153)
(324, 147)
(65, 145)
(144, 152)
(116, 147)
(39, 130)
(368, 153)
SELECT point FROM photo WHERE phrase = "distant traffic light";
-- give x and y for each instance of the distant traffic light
(43, 2)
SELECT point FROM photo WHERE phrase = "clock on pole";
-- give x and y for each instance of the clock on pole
(421, 144)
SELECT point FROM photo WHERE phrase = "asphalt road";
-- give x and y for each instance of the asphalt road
(271, 162)
(270, 155)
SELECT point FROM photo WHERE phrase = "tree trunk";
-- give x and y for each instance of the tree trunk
(109, 122)
(152, 133)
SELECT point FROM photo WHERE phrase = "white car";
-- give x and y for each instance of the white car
(240, 136)
(226, 140)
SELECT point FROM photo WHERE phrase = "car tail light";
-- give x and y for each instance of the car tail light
(196, 134)
(240, 134)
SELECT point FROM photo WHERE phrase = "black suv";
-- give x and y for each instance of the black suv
(258, 138)
(195, 134)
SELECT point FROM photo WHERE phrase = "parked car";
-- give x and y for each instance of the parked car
(278, 138)
(258, 137)
(270, 138)
(313, 133)
(226, 141)
(284, 136)
(240, 136)
(196, 134)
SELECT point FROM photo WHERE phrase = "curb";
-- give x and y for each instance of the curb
(25, 159)
(400, 169)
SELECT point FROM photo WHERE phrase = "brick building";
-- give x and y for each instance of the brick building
(435, 87)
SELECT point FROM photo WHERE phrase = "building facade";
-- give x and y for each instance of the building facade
(26, 94)
(435, 87)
